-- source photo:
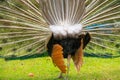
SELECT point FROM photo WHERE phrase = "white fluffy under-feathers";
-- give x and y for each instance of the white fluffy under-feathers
(66, 30)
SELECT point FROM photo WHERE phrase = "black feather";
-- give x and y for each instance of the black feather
(70, 45)
(86, 40)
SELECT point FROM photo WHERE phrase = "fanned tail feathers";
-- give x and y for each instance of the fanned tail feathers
(24, 24)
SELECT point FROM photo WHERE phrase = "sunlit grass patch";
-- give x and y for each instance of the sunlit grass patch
(43, 69)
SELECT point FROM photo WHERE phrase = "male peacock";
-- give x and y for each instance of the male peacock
(65, 27)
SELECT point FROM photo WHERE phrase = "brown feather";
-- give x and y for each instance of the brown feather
(57, 57)
(78, 57)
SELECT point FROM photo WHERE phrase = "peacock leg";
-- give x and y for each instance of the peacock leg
(68, 66)
(68, 63)
(60, 75)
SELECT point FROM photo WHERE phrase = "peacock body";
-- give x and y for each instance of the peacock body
(65, 27)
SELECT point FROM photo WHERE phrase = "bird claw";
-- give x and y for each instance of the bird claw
(60, 76)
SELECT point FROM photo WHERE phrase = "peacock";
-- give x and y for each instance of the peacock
(63, 28)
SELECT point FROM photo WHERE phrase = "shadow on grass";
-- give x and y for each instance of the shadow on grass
(13, 57)
(100, 55)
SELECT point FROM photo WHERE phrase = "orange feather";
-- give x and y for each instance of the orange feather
(78, 58)
(57, 57)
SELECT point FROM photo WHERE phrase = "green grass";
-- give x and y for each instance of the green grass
(43, 69)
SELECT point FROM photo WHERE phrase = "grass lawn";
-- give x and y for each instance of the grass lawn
(43, 69)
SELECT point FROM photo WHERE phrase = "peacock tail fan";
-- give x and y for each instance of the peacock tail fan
(25, 25)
